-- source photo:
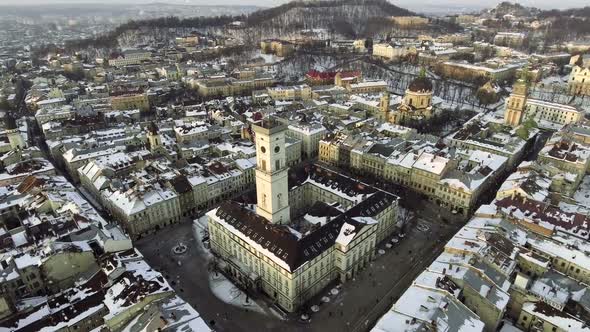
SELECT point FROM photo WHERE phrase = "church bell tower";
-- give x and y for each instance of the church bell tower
(516, 104)
(272, 189)
(384, 104)
(153, 136)
(14, 136)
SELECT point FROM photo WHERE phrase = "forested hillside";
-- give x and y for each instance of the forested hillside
(346, 17)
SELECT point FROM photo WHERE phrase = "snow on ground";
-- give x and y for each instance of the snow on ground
(508, 327)
(199, 231)
(30, 302)
(558, 95)
(324, 65)
(202, 222)
(554, 80)
(222, 287)
(227, 292)
(582, 194)
(269, 58)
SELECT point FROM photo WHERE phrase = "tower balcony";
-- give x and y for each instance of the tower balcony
(269, 126)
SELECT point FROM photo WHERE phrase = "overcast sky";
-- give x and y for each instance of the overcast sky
(413, 4)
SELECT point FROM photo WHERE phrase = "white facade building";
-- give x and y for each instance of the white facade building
(339, 223)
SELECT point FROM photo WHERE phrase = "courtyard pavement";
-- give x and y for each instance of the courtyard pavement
(356, 307)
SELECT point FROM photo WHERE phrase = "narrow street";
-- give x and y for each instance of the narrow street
(101, 211)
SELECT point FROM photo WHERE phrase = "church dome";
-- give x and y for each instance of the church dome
(420, 84)
(152, 128)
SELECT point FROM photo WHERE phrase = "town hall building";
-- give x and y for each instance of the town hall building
(310, 227)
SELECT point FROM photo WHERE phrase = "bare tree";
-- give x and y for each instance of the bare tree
(213, 266)
(404, 216)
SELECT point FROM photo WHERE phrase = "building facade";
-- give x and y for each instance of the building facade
(388, 51)
(130, 102)
(264, 251)
(520, 108)
(516, 104)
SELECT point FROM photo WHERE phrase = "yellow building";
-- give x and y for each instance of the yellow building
(359, 45)
(465, 19)
(409, 20)
(388, 51)
(279, 47)
(579, 133)
(417, 102)
(541, 317)
(330, 147)
(546, 113)
(293, 92)
(511, 39)
(213, 87)
(7, 307)
(579, 82)
(470, 72)
(188, 40)
(130, 57)
(366, 87)
(520, 108)
(516, 104)
(130, 102)
(567, 156)
(224, 86)
(432, 174)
